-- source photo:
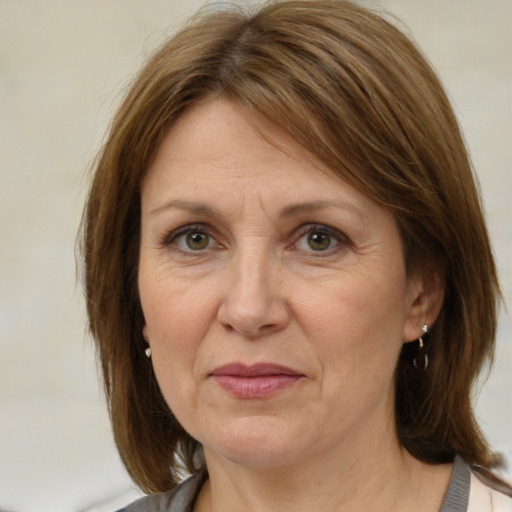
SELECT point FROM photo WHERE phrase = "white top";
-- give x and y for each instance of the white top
(483, 498)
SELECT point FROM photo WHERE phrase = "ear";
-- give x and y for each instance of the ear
(424, 302)
(145, 333)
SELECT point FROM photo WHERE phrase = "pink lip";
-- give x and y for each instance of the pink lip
(256, 381)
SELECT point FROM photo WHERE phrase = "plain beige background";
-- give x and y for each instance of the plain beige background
(64, 65)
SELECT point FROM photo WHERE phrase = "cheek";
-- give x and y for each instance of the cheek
(175, 313)
(356, 325)
(353, 309)
(177, 320)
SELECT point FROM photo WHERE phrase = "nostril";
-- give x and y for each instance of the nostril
(254, 325)
(228, 327)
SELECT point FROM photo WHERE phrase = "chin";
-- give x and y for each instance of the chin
(261, 444)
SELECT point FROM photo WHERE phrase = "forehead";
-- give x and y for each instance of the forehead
(220, 132)
(216, 145)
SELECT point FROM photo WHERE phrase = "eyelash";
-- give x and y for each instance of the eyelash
(173, 237)
(340, 240)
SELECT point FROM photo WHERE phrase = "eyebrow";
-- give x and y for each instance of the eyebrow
(313, 206)
(293, 210)
(199, 209)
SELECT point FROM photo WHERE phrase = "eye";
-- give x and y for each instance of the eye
(196, 241)
(191, 239)
(319, 241)
(318, 238)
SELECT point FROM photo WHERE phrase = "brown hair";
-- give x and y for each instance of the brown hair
(354, 91)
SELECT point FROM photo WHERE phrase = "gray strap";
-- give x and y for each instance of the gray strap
(180, 499)
(457, 495)
(186, 496)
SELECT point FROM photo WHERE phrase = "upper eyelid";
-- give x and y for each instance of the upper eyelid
(312, 226)
(341, 240)
(171, 235)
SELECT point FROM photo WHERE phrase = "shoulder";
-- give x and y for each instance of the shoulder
(472, 489)
(179, 499)
(483, 497)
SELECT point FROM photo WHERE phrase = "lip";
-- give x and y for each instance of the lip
(261, 380)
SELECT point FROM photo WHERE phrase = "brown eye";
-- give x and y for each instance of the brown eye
(197, 241)
(319, 241)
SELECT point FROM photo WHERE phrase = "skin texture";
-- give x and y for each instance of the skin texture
(253, 253)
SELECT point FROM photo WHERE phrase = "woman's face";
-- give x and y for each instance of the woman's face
(275, 295)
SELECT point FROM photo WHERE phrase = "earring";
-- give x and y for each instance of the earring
(420, 360)
(148, 353)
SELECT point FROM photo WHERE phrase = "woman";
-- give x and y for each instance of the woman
(284, 221)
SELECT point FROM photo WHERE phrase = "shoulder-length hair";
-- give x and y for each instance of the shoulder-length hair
(355, 92)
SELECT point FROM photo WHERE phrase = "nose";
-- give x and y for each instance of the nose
(253, 304)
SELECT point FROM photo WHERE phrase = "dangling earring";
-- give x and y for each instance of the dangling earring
(420, 360)
(148, 353)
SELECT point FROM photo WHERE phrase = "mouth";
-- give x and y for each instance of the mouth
(261, 380)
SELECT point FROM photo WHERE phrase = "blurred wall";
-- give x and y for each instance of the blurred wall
(63, 67)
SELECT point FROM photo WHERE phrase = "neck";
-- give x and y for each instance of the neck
(360, 475)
